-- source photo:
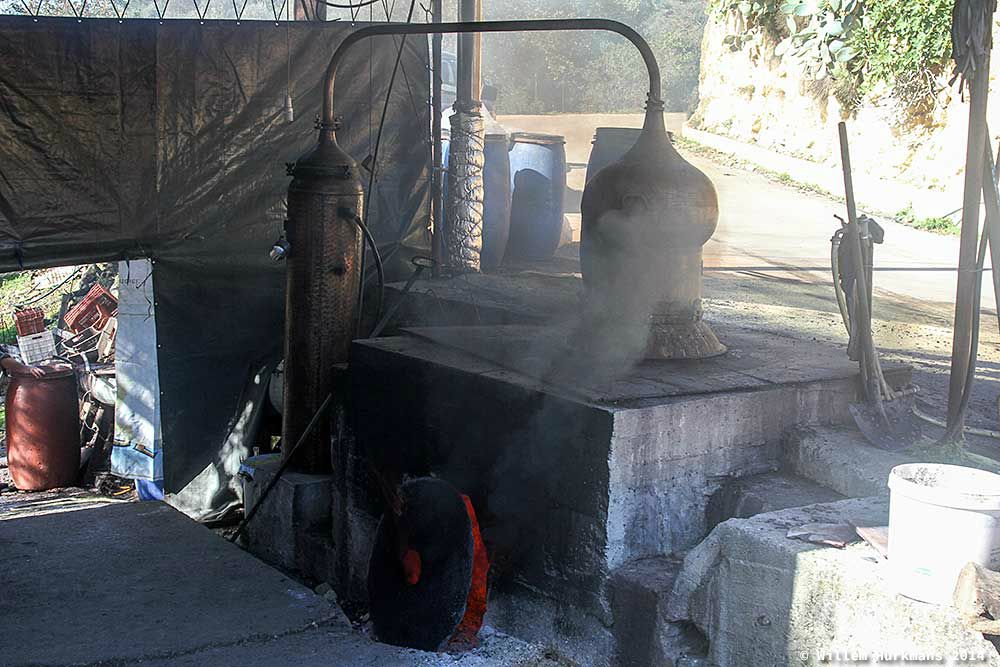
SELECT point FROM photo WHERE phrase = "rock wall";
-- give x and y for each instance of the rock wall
(768, 101)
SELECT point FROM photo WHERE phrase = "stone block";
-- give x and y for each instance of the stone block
(291, 530)
(764, 599)
(643, 634)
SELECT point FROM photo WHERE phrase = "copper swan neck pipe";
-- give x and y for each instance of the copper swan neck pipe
(654, 102)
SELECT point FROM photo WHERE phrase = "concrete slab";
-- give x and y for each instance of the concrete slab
(754, 361)
(124, 581)
(119, 582)
(131, 583)
(764, 599)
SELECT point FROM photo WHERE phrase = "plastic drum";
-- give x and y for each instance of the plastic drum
(538, 184)
(610, 144)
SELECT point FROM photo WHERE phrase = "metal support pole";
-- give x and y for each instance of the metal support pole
(469, 58)
(477, 60)
(437, 196)
(991, 196)
(962, 340)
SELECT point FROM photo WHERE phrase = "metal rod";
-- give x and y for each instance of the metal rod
(991, 196)
(962, 337)
(868, 357)
(387, 318)
(826, 269)
(281, 469)
(437, 103)
(542, 25)
(466, 91)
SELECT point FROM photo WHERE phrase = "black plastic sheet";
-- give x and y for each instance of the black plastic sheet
(168, 141)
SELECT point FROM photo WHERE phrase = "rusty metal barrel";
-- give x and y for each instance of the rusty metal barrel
(43, 428)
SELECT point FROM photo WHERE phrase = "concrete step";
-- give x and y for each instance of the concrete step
(764, 599)
(839, 458)
(769, 492)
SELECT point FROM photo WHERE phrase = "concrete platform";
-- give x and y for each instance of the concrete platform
(764, 599)
(574, 480)
(129, 583)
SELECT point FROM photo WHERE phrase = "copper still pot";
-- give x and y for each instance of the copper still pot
(43, 429)
(645, 220)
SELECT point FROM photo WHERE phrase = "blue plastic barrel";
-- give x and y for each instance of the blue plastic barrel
(538, 184)
(610, 144)
(496, 201)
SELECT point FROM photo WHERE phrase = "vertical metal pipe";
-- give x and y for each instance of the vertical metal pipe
(437, 196)
(477, 58)
(962, 339)
(991, 195)
(467, 92)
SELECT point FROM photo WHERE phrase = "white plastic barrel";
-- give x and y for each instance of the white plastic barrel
(940, 518)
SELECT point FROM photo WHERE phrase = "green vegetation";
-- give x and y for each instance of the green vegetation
(939, 225)
(905, 45)
(859, 44)
(592, 72)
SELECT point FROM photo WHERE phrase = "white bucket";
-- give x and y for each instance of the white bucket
(940, 518)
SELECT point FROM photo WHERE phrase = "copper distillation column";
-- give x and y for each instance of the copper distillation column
(645, 219)
(323, 253)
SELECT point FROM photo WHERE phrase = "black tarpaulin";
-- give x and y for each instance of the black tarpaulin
(168, 141)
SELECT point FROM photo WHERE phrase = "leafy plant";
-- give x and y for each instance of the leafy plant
(939, 225)
(818, 33)
(754, 19)
(905, 44)
(858, 44)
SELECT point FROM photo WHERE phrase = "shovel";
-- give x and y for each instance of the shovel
(885, 417)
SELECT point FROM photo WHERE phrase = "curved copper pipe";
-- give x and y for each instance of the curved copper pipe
(542, 25)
